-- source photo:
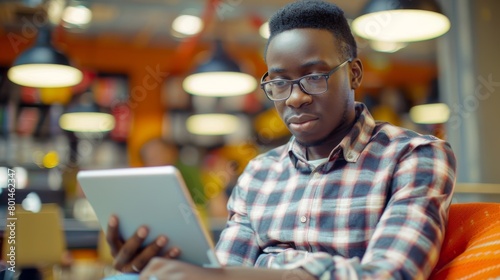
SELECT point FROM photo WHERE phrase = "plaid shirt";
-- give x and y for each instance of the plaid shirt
(377, 209)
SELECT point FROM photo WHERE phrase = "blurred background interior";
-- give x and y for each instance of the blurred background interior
(126, 95)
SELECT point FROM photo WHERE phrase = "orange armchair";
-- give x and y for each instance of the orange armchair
(471, 248)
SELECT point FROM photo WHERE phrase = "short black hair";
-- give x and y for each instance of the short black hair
(314, 14)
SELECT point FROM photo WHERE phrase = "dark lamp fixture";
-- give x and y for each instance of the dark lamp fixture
(43, 66)
(401, 21)
(219, 76)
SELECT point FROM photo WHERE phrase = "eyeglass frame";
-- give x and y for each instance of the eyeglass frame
(297, 81)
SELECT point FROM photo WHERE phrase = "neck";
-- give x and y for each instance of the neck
(324, 147)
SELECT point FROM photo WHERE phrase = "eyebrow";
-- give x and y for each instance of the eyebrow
(305, 65)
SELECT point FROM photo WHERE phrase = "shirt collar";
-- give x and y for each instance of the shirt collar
(353, 143)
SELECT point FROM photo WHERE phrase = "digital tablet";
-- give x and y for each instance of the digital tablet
(153, 196)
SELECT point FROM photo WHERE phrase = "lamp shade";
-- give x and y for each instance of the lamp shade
(43, 66)
(219, 76)
(212, 124)
(401, 21)
(85, 116)
(430, 113)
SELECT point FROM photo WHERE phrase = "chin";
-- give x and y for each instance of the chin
(308, 142)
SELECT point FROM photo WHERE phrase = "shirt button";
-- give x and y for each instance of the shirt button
(303, 219)
(350, 156)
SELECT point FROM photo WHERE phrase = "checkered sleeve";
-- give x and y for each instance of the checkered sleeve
(237, 244)
(408, 237)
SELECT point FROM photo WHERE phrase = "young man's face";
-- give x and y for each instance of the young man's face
(312, 119)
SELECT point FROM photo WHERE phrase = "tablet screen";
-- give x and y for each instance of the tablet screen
(153, 196)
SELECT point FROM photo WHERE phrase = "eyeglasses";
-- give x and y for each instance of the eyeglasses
(278, 90)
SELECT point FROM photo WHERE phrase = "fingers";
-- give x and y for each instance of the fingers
(148, 253)
(128, 251)
(113, 236)
(130, 255)
(172, 253)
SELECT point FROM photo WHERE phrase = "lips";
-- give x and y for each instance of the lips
(301, 122)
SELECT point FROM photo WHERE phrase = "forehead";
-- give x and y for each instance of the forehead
(302, 42)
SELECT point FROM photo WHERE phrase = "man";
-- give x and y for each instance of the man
(346, 198)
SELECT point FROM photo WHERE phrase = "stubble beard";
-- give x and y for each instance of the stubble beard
(327, 138)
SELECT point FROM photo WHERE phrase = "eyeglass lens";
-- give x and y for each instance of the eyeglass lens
(312, 84)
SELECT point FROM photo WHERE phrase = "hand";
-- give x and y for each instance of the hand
(129, 255)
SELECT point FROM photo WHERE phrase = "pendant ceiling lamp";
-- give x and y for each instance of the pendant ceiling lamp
(401, 21)
(220, 76)
(213, 124)
(43, 66)
(85, 116)
(92, 122)
(430, 113)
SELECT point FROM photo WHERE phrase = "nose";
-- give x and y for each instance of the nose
(298, 97)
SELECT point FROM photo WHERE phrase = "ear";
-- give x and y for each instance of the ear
(356, 73)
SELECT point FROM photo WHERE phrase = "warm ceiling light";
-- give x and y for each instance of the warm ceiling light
(77, 15)
(430, 113)
(220, 76)
(43, 66)
(401, 21)
(221, 83)
(264, 30)
(187, 25)
(387, 47)
(42, 75)
(87, 122)
(212, 124)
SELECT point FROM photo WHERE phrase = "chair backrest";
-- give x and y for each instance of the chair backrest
(34, 239)
(471, 247)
